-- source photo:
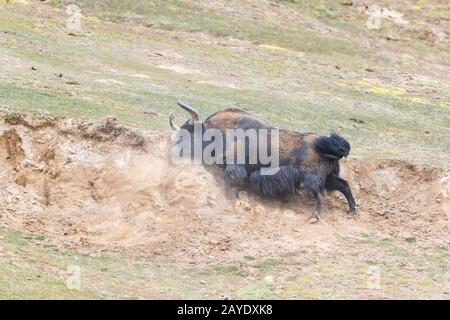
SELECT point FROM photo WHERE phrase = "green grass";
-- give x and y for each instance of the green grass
(27, 283)
(32, 267)
(172, 15)
(268, 264)
(255, 291)
(24, 100)
(411, 240)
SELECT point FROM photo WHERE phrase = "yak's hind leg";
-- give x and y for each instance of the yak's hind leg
(334, 182)
(236, 174)
(314, 181)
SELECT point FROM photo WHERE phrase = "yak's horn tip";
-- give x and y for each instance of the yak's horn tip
(174, 126)
(191, 110)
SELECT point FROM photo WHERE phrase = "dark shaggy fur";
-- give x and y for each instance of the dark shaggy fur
(235, 174)
(285, 181)
(314, 180)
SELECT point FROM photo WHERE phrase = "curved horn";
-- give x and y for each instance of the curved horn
(192, 111)
(173, 125)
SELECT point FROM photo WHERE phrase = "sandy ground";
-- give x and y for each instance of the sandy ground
(104, 187)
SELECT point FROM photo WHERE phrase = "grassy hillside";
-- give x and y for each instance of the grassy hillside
(31, 268)
(304, 66)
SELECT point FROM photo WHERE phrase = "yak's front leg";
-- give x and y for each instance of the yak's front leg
(317, 207)
(334, 182)
(235, 174)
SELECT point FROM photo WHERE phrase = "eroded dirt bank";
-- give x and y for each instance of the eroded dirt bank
(107, 187)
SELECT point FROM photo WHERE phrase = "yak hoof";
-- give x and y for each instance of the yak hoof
(313, 219)
(352, 211)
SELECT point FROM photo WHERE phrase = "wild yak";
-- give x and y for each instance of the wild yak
(305, 159)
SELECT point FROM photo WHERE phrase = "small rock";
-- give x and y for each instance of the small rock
(392, 37)
(357, 120)
(439, 34)
(152, 113)
(73, 82)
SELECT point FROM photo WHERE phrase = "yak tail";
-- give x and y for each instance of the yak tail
(333, 147)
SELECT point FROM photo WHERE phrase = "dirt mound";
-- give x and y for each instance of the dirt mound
(107, 187)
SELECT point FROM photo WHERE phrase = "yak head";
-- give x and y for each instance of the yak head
(186, 134)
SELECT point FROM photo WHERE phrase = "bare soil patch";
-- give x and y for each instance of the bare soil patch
(107, 187)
